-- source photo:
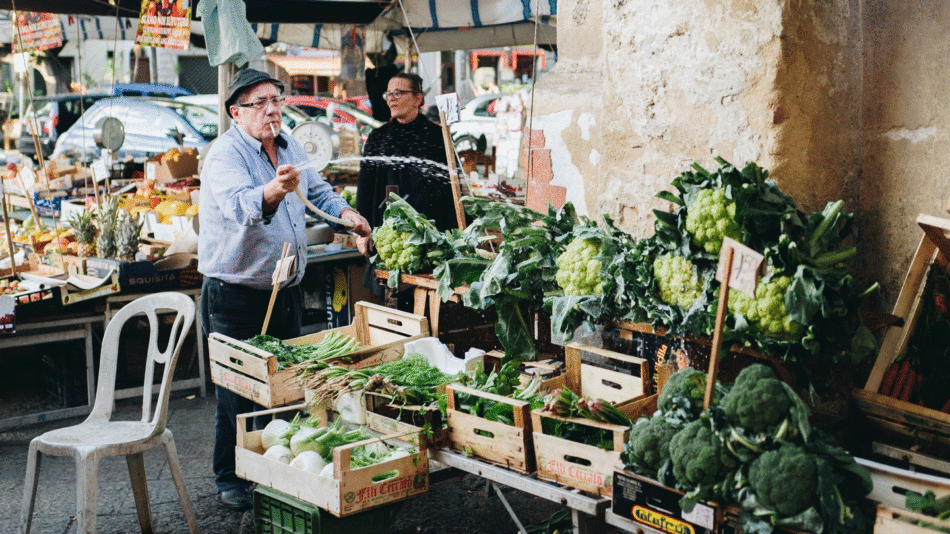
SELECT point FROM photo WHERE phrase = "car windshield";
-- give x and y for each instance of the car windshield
(203, 119)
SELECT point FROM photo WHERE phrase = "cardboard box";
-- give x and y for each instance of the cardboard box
(252, 373)
(657, 506)
(597, 374)
(171, 170)
(886, 412)
(176, 271)
(349, 491)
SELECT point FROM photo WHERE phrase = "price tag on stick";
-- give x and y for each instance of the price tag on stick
(282, 272)
(739, 268)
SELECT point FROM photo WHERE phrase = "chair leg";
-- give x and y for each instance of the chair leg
(33, 461)
(87, 490)
(175, 467)
(140, 491)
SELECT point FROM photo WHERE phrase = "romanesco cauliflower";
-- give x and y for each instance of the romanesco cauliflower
(395, 250)
(767, 311)
(679, 282)
(710, 218)
(578, 269)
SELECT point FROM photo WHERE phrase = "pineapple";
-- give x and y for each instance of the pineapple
(108, 218)
(127, 234)
(85, 229)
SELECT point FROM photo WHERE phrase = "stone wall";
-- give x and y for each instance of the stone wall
(837, 98)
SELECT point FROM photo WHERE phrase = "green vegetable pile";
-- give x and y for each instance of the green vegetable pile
(407, 242)
(754, 447)
(929, 504)
(333, 345)
(806, 306)
(408, 380)
(565, 403)
(503, 381)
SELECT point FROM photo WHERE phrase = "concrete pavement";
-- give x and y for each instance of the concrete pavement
(191, 419)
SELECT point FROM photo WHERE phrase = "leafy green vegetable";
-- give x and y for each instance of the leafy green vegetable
(332, 345)
(407, 242)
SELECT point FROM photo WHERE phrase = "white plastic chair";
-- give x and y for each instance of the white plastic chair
(99, 437)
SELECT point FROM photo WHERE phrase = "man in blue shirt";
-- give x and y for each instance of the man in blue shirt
(248, 211)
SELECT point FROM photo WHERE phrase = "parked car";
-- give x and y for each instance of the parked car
(145, 89)
(151, 127)
(477, 124)
(343, 114)
(52, 115)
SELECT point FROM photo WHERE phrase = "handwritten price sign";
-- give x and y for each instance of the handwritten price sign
(747, 266)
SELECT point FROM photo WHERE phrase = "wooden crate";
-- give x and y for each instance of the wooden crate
(387, 418)
(252, 373)
(350, 490)
(586, 467)
(889, 413)
(891, 485)
(497, 443)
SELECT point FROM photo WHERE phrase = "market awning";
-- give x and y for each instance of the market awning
(308, 66)
(271, 11)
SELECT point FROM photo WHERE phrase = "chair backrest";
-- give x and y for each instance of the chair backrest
(149, 305)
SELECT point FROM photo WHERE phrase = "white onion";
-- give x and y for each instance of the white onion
(279, 453)
(308, 461)
(327, 471)
(273, 433)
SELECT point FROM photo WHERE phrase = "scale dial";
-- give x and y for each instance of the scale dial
(319, 141)
(109, 133)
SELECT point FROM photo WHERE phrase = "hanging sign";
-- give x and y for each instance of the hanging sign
(36, 31)
(164, 24)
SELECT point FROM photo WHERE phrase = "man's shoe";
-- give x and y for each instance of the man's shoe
(238, 499)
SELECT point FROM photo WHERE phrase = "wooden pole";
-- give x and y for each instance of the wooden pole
(453, 171)
(717, 332)
(273, 294)
(6, 223)
(29, 199)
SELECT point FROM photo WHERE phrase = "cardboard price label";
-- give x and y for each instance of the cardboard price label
(150, 170)
(747, 266)
(285, 269)
(449, 105)
(99, 170)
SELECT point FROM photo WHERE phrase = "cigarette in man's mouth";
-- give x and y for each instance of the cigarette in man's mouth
(273, 129)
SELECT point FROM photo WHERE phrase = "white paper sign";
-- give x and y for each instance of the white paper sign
(150, 170)
(1, 187)
(99, 170)
(285, 269)
(747, 266)
(29, 178)
(449, 105)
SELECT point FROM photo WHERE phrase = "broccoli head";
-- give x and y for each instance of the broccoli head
(699, 456)
(649, 443)
(785, 479)
(758, 401)
(689, 384)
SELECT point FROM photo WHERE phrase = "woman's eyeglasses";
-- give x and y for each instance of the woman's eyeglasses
(396, 94)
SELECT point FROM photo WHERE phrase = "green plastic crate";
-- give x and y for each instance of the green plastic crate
(278, 513)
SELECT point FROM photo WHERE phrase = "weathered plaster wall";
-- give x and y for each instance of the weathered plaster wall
(568, 105)
(906, 132)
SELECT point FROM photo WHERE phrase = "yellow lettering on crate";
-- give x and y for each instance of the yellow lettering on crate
(661, 521)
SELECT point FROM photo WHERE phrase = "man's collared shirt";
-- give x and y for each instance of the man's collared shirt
(237, 243)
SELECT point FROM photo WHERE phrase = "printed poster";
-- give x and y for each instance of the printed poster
(37, 31)
(164, 24)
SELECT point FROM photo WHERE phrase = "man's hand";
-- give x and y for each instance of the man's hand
(360, 225)
(286, 180)
(365, 245)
